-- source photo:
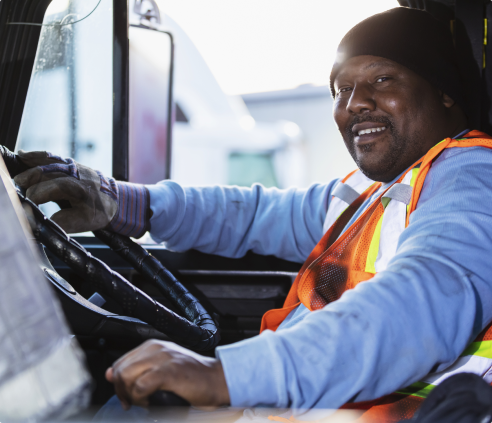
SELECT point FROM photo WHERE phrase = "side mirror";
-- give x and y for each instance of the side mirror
(151, 104)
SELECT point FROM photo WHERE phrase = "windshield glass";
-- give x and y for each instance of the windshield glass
(69, 108)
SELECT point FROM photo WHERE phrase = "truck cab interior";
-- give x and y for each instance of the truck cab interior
(104, 103)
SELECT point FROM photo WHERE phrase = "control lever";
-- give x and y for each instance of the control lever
(169, 407)
(167, 399)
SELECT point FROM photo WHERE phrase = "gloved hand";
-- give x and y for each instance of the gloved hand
(93, 198)
(96, 201)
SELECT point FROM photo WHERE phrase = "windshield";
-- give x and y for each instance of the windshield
(69, 104)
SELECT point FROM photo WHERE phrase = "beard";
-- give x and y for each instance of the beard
(387, 162)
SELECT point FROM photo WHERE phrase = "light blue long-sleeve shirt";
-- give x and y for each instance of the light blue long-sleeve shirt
(415, 317)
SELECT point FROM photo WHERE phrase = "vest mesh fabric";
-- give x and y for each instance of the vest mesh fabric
(388, 409)
(340, 267)
(485, 335)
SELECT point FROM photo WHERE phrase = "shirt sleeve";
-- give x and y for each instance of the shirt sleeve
(230, 221)
(414, 318)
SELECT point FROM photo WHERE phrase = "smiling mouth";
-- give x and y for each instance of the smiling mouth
(371, 130)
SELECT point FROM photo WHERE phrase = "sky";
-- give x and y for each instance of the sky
(267, 45)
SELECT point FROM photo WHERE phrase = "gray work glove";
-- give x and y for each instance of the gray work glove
(93, 198)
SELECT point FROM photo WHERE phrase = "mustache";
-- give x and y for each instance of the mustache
(360, 119)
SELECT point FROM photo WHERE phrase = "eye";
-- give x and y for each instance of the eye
(383, 79)
(343, 90)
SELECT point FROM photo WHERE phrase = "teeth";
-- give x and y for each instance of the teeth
(369, 130)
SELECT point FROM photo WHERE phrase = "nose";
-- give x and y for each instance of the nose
(361, 100)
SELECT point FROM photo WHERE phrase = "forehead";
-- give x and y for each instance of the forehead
(362, 65)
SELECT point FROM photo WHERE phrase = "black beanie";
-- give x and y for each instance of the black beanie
(411, 37)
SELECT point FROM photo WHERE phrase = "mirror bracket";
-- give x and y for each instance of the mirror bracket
(121, 90)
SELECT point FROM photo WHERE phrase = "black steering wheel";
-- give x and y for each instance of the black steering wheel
(196, 329)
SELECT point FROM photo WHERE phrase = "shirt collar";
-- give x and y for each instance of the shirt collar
(461, 133)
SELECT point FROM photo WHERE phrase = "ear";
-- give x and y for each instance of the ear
(446, 100)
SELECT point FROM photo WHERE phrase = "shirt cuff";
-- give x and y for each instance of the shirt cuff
(133, 215)
(253, 372)
(167, 202)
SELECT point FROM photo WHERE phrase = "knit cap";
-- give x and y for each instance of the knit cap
(411, 37)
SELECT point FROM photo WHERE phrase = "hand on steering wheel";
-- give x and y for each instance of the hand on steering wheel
(93, 198)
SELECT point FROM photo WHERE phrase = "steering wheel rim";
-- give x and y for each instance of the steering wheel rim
(197, 331)
(205, 334)
(155, 272)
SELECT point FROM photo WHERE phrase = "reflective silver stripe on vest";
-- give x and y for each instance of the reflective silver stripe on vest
(391, 228)
(393, 224)
(400, 192)
(481, 366)
(345, 193)
(357, 182)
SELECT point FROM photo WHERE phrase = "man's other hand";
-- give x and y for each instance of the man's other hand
(159, 365)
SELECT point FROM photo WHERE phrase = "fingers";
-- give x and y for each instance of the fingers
(121, 392)
(146, 385)
(38, 158)
(73, 221)
(121, 395)
(57, 189)
(109, 374)
(128, 369)
(124, 381)
(35, 176)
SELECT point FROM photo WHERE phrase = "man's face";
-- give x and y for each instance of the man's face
(387, 115)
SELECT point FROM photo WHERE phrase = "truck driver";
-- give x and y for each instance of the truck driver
(395, 294)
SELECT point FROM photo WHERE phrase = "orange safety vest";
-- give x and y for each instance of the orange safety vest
(339, 262)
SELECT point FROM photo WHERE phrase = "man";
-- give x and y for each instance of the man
(422, 234)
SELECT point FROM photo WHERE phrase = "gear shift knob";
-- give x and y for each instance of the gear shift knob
(167, 399)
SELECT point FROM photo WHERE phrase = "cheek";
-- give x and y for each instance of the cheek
(403, 107)
(340, 114)
(394, 104)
